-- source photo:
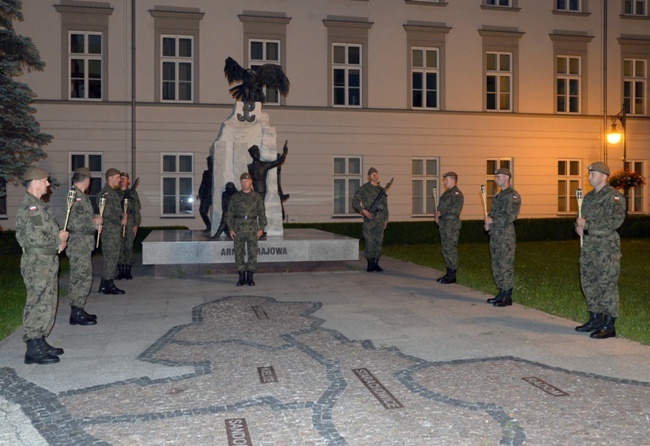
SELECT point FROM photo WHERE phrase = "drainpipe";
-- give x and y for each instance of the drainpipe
(133, 123)
(604, 125)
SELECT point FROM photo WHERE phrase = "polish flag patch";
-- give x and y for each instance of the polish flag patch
(33, 208)
(617, 198)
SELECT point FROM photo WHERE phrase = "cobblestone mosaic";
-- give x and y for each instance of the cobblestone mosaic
(319, 400)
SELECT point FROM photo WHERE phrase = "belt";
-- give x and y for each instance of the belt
(82, 232)
(448, 217)
(43, 251)
(592, 232)
(244, 217)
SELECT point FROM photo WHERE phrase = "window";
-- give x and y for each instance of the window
(3, 198)
(505, 3)
(347, 179)
(634, 86)
(499, 81)
(346, 75)
(85, 56)
(92, 161)
(636, 195)
(568, 182)
(494, 164)
(177, 184)
(425, 176)
(567, 69)
(177, 68)
(568, 5)
(424, 78)
(263, 52)
(635, 7)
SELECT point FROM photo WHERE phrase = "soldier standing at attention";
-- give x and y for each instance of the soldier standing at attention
(603, 212)
(447, 217)
(38, 234)
(81, 226)
(246, 222)
(114, 219)
(133, 220)
(500, 224)
(374, 224)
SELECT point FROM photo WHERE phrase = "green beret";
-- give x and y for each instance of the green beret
(503, 171)
(111, 172)
(35, 173)
(83, 171)
(450, 174)
(245, 176)
(371, 171)
(599, 167)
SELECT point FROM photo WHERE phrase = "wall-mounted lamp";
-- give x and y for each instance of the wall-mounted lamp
(614, 136)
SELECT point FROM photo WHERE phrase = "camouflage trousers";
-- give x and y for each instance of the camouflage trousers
(502, 251)
(40, 273)
(81, 273)
(600, 266)
(246, 243)
(449, 234)
(126, 248)
(111, 245)
(373, 234)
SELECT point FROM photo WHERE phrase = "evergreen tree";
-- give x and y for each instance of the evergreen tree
(21, 140)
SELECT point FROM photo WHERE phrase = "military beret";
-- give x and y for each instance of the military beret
(450, 174)
(35, 173)
(371, 171)
(83, 171)
(124, 174)
(599, 167)
(503, 171)
(111, 172)
(245, 176)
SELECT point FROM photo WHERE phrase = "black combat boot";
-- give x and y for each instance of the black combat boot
(242, 278)
(249, 278)
(496, 298)
(50, 350)
(119, 273)
(102, 286)
(371, 265)
(607, 330)
(36, 353)
(77, 317)
(88, 315)
(506, 301)
(451, 277)
(440, 279)
(376, 266)
(594, 323)
(110, 288)
(127, 272)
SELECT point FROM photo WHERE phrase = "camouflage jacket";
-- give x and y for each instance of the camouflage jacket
(451, 203)
(112, 208)
(36, 226)
(246, 208)
(133, 216)
(80, 223)
(364, 198)
(505, 208)
(604, 211)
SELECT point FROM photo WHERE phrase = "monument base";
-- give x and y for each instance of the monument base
(187, 252)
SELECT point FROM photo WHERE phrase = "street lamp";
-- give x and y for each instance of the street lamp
(614, 136)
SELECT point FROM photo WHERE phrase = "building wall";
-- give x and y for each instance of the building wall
(385, 132)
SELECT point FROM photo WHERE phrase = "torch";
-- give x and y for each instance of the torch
(434, 192)
(70, 201)
(484, 199)
(126, 205)
(579, 199)
(102, 204)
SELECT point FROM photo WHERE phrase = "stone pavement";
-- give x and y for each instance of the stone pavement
(341, 358)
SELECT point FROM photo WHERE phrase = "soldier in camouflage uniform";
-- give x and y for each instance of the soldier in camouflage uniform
(375, 224)
(38, 234)
(246, 221)
(114, 219)
(603, 212)
(447, 217)
(81, 226)
(500, 224)
(133, 220)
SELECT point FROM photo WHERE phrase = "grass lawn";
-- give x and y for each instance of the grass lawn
(547, 278)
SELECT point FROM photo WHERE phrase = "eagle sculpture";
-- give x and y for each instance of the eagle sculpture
(252, 81)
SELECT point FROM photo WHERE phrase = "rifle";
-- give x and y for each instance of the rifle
(128, 191)
(373, 209)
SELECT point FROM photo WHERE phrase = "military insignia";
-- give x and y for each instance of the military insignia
(33, 208)
(77, 200)
(617, 198)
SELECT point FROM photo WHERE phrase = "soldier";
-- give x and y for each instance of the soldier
(500, 225)
(133, 220)
(603, 212)
(38, 234)
(205, 195)
(374, 223)
(246, 222)
(447, 217)
(114, 219)
(81, 226)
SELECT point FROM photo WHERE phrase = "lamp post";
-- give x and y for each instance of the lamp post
(614, 136)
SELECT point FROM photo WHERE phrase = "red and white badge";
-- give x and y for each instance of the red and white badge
(33, 208)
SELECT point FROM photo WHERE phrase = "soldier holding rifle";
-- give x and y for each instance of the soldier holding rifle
(603, 212)
(131, 203)
(372, 202)
(114, 219)
(447, 217)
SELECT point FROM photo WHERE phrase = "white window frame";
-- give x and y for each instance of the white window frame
(499, 3)
(177, 61)
(635, 7)
(568, 97)
(492, 165)
(635, 86)
(569, 179)
(347, 68)
(177, 175)
(97, 172)
(272, 95)
(568, 5)
(499, 74)
(348, 178)
(86, 58)
(636, 195)
(424, 70)
(423, 180)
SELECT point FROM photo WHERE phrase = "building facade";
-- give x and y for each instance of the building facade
(414, 88)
